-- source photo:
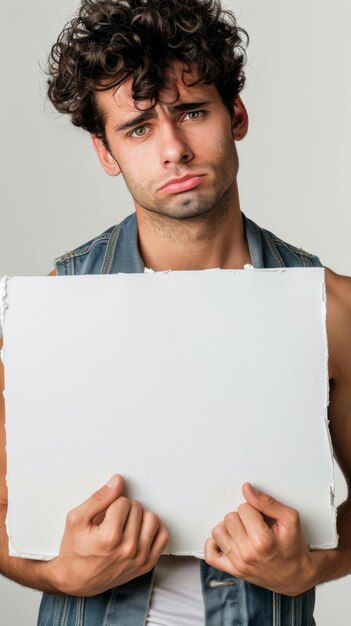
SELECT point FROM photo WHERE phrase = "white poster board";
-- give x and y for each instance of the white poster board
(187, 383)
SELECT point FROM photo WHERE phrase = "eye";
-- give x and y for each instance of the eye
(136, 132)
(194, 115)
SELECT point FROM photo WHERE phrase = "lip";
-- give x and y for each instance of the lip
(185, 183)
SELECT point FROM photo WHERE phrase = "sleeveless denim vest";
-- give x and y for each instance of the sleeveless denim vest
(227, 601)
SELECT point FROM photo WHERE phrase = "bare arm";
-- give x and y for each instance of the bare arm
(337, 563)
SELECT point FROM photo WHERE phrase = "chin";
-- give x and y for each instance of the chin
(185, 215)
(187, 211)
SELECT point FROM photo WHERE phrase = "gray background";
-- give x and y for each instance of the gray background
(294, 176)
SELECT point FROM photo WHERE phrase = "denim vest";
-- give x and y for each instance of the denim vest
(228, 601)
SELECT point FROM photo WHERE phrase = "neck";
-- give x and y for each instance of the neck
(215, 239)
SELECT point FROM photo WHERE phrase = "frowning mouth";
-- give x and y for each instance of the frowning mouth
(182, 184)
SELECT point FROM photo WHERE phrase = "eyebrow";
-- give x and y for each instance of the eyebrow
(151, 114)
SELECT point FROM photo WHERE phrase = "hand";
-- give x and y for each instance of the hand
(108, 540)
(270, 553)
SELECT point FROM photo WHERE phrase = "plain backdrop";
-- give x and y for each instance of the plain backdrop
(294, 177)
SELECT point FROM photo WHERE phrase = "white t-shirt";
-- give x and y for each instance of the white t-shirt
(176, 598)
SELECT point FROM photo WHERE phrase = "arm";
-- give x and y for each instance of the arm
(275, 555)
(333, 564)
(108, 540)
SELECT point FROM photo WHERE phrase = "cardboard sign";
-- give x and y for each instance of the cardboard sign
(186, 383)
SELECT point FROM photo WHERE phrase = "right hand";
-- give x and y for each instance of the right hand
(97, 556)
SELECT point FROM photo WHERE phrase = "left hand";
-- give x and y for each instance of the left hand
(271, 554)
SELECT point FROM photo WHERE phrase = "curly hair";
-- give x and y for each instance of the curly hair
(110, 41)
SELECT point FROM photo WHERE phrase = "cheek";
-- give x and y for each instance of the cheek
(143, 162)
(221, 154)
(141, 174)
(216, 143)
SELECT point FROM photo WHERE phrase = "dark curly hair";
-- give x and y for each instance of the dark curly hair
(111, 40)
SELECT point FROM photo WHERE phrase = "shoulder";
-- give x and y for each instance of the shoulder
(272, 251)
(93, 251)
(338, 289)
(95, 256)
(291, 255)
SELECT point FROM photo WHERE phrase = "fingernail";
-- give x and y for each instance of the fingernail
(112, 482)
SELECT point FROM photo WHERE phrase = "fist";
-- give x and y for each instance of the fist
(108, 540)
(262, 542)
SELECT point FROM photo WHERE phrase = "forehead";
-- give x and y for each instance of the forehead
(120, 102)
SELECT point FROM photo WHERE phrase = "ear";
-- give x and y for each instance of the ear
(105, 157)
(240, 120)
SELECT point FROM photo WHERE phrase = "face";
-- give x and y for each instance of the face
(178, 160)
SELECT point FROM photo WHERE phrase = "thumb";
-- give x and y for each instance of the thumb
(98, 501)
(263, 502)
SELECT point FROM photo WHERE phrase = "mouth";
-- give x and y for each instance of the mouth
(183, 185)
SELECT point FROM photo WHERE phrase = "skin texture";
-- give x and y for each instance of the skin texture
(195, 229)
(110, 539)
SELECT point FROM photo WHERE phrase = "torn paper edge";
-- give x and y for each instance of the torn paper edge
(28, 555)
(50, 557)
(196, 554)
(3, 307)
(333, 510)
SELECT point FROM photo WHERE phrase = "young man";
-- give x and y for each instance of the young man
(157, 85)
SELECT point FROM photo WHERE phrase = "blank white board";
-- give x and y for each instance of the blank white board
(186, 383)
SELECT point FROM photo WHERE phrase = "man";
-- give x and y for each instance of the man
(157, 85)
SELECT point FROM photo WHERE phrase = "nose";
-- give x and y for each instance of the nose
(174, 146)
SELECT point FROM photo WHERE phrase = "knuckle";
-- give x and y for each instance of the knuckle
(268, 500)
(243, 507)
(140, 559)
(155, 518)
(229, 518)
(262, 545)
(99, 495)
(248, 559)
(123, 502)
(107, 542)
(72, 517)
(152, 519)
(136, 506)
(293, 517)
(128, 550)
(218, 530)
(209, 544)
